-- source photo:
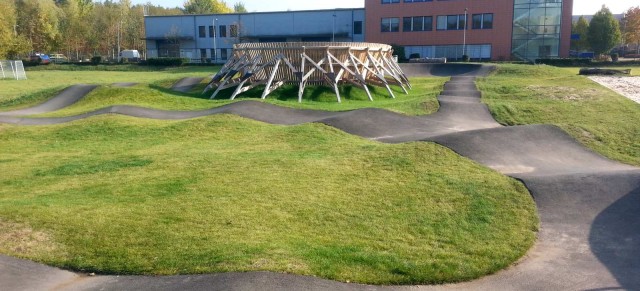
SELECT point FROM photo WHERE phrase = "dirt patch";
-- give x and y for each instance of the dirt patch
(625, 86)
(564, 93)
(20, 239)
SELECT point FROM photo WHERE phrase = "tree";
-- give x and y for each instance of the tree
(160, 10)
(206, 7)
(38, 22)
(239, 7)
(580, 28)
(631, 26)
(604, 31)
(13, 44)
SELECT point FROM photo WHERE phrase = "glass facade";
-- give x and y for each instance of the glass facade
(536, 29)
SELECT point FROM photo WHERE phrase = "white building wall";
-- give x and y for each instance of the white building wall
(288, 25)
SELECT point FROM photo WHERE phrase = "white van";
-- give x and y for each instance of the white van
(129, 56)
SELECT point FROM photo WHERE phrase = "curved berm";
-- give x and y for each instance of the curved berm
(589, 205)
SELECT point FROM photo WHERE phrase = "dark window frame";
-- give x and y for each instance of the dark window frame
(357, 27)
(459, 23)
(390, 24)
(223, 30)
(482, 21)
(409, 23)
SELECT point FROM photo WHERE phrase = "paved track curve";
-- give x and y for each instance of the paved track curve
(589, 205)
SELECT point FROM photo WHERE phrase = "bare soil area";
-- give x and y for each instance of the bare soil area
(626, 86)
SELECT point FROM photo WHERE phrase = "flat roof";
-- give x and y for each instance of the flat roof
(266, 12)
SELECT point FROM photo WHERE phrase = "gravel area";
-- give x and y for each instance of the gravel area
(626, 86)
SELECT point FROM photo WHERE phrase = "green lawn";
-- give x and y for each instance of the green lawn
(153, 91)
(421, 100)
(596, 116)
(121, 195)
(43, 83)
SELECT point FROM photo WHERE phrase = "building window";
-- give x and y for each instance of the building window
(233, 30)
(213, 54)
(450, 22)
(390, 1)
(203, 53)
(223, 54)
(201, 31)
(390, 24)
(417, 23)
(536, 30)
(212, 31)
(483, 21)
(357, 27)
(223, 30)
(416, 1)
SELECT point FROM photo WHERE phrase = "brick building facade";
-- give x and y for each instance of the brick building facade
(495, 29)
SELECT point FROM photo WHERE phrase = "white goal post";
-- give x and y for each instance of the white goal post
(12, 70)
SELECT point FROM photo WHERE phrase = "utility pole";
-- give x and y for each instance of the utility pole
(464, 35)
(215, 35)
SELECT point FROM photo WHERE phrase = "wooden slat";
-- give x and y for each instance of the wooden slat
(318, 63)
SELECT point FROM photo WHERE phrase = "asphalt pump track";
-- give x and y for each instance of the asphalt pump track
(589, 206)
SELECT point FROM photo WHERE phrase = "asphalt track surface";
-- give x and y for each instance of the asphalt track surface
(589, 206)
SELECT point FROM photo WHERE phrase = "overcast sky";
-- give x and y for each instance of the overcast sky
(580, 7)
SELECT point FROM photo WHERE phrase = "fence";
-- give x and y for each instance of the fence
(221, 55)
(12, 70)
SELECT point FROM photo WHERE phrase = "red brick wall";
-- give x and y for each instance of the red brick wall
(565, 37)
(499, 37)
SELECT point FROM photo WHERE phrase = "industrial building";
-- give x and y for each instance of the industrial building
(211, 37)
(480, 29)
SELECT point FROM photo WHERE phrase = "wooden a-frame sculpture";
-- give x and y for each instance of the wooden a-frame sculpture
(309, 63)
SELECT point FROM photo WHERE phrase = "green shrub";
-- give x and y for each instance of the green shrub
(569, 62)
(95, 60)
(165, 62)
(399, 51)
(615, 57)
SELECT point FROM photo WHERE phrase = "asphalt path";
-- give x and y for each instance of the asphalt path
(589, 205)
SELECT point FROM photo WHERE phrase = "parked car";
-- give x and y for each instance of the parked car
(58, 58)
(129, 56)
(40, 59)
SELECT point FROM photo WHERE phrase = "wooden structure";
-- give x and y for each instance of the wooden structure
(309, 63)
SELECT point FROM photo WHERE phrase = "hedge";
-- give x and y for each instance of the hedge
(572, 62)
(164, 62)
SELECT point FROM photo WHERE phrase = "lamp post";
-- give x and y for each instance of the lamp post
(215, 35)
(464, 35)
(333, 29)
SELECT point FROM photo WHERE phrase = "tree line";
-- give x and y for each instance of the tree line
(81, 29)
(604, 33)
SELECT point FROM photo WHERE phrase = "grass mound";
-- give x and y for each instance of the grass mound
(596, 116)
(120, 195)
(420, 100)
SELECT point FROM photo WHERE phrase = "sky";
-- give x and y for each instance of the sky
(580, 7)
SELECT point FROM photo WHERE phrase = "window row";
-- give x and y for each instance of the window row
(233, 31)
(223, 54)
(443, 22)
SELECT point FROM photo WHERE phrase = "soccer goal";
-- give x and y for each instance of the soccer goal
(12, 70)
